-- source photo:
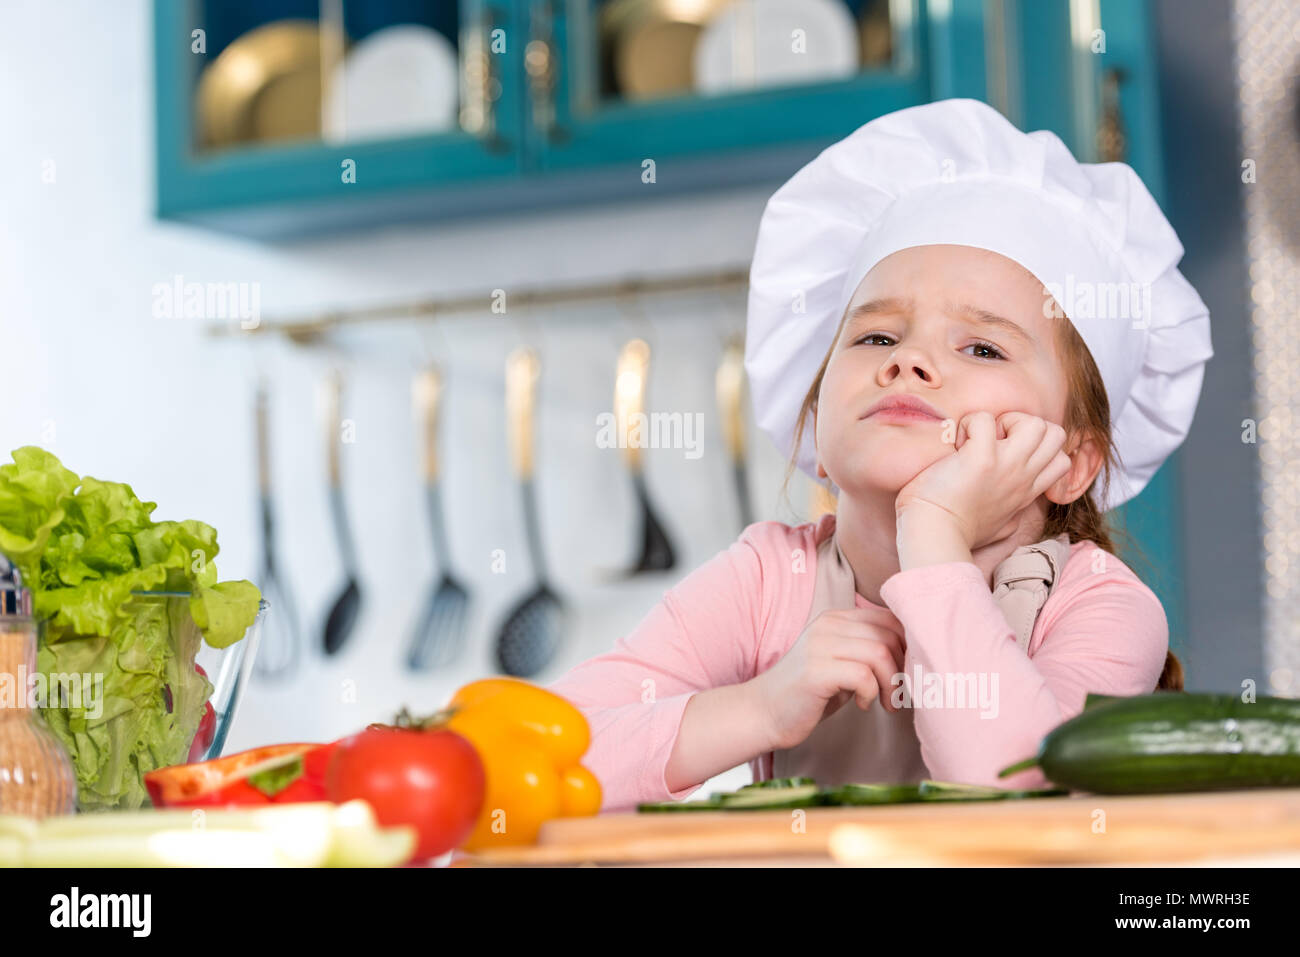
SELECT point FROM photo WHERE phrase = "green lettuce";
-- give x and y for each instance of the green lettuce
(83, 547)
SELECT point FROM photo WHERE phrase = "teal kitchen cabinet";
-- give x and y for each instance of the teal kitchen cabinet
(558, 130)
(288, 187)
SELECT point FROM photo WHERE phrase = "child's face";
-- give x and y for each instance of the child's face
(922, 336)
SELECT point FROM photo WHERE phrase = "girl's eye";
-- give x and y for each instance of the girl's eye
(990, 347)
(997, 353)
(872, 335)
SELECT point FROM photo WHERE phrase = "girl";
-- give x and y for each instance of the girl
(925, 335)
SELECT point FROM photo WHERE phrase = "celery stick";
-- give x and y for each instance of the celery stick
(288, 834)
(183, 819)
(18, 825)
(207, 848)
(359, 842)
(310, 834)
(11, 850)
(360, 847)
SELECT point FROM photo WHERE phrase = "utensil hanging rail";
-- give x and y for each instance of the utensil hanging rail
(310, 328)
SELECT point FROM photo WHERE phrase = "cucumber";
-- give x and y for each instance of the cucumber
(1169, 742)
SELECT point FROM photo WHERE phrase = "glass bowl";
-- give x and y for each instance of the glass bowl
(227, 668)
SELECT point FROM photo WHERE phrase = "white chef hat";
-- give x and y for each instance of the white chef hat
(957, 171)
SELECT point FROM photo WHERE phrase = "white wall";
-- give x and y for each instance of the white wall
(91, 375)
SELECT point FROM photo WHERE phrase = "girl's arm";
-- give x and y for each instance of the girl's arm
(702, 635)
(1110, 636)
(719, 730)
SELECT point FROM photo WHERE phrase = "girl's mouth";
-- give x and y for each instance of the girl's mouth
(902, 415)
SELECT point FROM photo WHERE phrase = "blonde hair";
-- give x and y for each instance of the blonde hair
(1087, 416)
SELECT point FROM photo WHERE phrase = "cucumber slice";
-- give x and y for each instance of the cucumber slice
(950, 791)
(780, 783)
(754, 799)
(863, 795)
(708, 804)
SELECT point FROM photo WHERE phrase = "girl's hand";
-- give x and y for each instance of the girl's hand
(843, 653)
(998, 468)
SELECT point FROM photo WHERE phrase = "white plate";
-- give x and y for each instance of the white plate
(752, 43)
(398, 81)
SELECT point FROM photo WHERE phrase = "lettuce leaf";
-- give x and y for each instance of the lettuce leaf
(84, 546)
(221, 610)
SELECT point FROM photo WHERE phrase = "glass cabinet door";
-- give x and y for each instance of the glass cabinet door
(615, 80)
(265, 100)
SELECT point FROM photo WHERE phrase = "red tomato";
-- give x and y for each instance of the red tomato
(432, 780)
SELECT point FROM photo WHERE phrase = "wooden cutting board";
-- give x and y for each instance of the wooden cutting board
(1074, 830)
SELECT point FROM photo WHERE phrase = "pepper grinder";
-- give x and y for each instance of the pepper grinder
(36, 774)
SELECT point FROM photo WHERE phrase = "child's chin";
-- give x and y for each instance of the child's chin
(877, 476)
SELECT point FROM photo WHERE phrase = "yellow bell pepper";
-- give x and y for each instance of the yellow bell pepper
(530, 741)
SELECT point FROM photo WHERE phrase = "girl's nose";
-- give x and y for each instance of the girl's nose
(906, 361)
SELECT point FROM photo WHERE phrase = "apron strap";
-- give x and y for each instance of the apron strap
(1022, 582)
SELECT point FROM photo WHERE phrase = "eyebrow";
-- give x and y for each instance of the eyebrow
(895, 305)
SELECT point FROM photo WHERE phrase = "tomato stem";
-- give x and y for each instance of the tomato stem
(405, 719)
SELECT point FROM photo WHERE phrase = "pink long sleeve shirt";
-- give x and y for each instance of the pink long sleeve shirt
(1101, 630)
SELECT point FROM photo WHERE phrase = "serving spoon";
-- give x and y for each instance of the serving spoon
(730, 385)
(633, 368)
(531, 634)
(280, 645)
(440, 631)
(343, 615)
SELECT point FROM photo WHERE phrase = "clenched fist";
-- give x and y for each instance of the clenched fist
(998, 468)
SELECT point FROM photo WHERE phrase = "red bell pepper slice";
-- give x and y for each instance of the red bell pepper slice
(225, 781)
(310, 785)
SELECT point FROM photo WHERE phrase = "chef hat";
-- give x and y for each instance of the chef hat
(957, 171)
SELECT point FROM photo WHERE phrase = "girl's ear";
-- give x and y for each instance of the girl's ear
(1085, 463)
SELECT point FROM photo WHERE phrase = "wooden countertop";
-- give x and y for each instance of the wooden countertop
(1232, 828)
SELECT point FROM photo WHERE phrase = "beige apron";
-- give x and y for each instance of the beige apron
(877, 745)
